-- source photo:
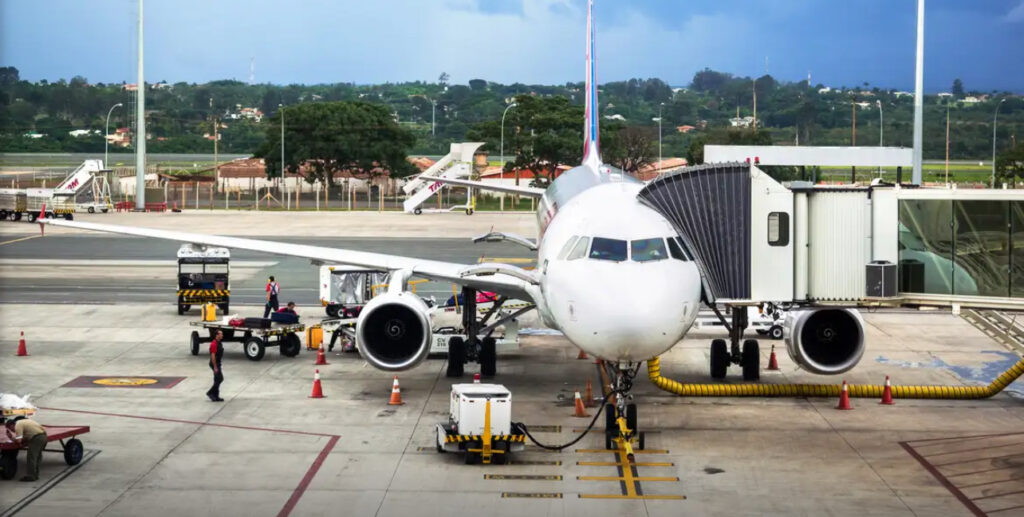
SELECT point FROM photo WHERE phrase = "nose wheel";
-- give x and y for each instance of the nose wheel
(620, 419)
(723, 355)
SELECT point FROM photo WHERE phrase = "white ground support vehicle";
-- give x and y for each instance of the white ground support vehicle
(12, 203)
(480, 424)
(344, 288)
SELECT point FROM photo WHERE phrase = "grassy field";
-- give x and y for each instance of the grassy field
(933, 173)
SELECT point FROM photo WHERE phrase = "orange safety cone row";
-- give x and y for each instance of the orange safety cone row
(22, 350)
(887, 393)
(773, 363)
(844, 399)
(581, 355)
(321, 359)
(318, 389)
(588, 394)
(396, 394)
(580, 411)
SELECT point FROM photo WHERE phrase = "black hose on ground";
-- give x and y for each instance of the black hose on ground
(521, 427)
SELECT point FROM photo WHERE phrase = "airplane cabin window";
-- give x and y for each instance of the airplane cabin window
(647, 250)
(567, 248)
(580, 250)
(675, 248)
(609, 249)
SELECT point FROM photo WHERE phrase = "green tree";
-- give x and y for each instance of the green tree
(629, 149)
(1010, 164)
(958, 88)
(329, 137)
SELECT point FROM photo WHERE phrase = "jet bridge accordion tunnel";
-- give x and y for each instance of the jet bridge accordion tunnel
(756, 240)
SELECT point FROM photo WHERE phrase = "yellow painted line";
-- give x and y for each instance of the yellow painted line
(605, 451)
(627, 477)
(507, 260)
(523, 477)
(554, 463)
(619, 496)
(12, 241)
(627, 474)
(532, 495)
(616, 464)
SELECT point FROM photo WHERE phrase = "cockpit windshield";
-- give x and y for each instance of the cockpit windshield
(608, 249)
(646, 250)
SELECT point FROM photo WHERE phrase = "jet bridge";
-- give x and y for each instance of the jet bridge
(756, 240)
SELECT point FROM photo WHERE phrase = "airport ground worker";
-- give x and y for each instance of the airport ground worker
(216, 353)
(25, 431)
(273, 290)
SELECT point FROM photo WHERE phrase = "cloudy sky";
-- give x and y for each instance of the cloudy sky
(530, 41)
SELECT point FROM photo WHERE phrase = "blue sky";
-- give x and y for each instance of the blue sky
(840, 43)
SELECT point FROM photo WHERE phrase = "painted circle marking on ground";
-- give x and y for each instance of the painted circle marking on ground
(125, 381)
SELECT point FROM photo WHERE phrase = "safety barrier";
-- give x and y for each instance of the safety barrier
(831, 390)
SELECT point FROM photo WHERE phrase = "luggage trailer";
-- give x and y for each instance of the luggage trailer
(71, 448)
(254, 339)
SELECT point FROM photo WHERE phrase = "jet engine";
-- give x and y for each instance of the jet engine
(824, 341)
(393, 331)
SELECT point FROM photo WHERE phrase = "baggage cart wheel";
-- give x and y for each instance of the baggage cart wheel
(8, 464)
(3, 214)
(775, 332)
(16, 216)
(254, 349)
(472, 457)
(332, 311)
(438, 442)
(195, 342)
(502, 458)
(32, 216)
(69, 217)
(92, 210)
(290, 345)
(73, 451)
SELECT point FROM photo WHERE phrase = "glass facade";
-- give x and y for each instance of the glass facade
(968, 248)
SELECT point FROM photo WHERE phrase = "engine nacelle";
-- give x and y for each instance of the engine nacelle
(824, 341)
(393, 331)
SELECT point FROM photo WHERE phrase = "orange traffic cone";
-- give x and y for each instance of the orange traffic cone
(580, 410)
(773, 363)
(581, 355)
(318, 390)
(321, 359)
(887, 393)
(588, 394)
(844, 399)
(22, 350)
(476, 378)
(396, 394)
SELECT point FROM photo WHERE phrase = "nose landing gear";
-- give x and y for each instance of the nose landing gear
(621, 430)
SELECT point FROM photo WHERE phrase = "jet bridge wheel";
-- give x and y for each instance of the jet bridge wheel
(751, 360)
(719, 359)
(456, 357)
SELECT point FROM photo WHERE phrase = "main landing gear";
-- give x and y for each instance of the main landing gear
(620, 413)
(723, 354)
(478, 346)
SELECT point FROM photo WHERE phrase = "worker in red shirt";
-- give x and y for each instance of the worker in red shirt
(272, 291)
(216, 353)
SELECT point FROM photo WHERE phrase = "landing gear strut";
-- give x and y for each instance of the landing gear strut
(620, 417)
(722, 355)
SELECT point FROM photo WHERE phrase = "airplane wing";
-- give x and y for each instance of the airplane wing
(509, 189)
(515, 283)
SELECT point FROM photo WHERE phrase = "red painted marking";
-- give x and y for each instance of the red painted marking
(966, 501)
(303, 484)
(313, 469)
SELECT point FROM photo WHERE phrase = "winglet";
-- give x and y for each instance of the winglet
(591, 134)
(42, 216)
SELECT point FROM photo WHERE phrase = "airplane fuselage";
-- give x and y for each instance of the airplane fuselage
(611, 278)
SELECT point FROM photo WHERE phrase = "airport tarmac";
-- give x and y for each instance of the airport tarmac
(271, 450)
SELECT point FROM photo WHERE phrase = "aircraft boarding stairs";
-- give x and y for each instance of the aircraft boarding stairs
(458, 163)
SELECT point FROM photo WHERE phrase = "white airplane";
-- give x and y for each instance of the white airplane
(612, 275)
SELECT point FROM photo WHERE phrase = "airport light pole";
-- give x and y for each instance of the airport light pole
(994, 118)
(510, 106)
(881, 130)
(106, 134)
(288, 199)
(433, 119)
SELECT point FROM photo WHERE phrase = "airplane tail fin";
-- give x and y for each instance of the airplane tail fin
(591, 134)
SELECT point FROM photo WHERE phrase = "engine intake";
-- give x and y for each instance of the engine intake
(824, 341)
(393, 331)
